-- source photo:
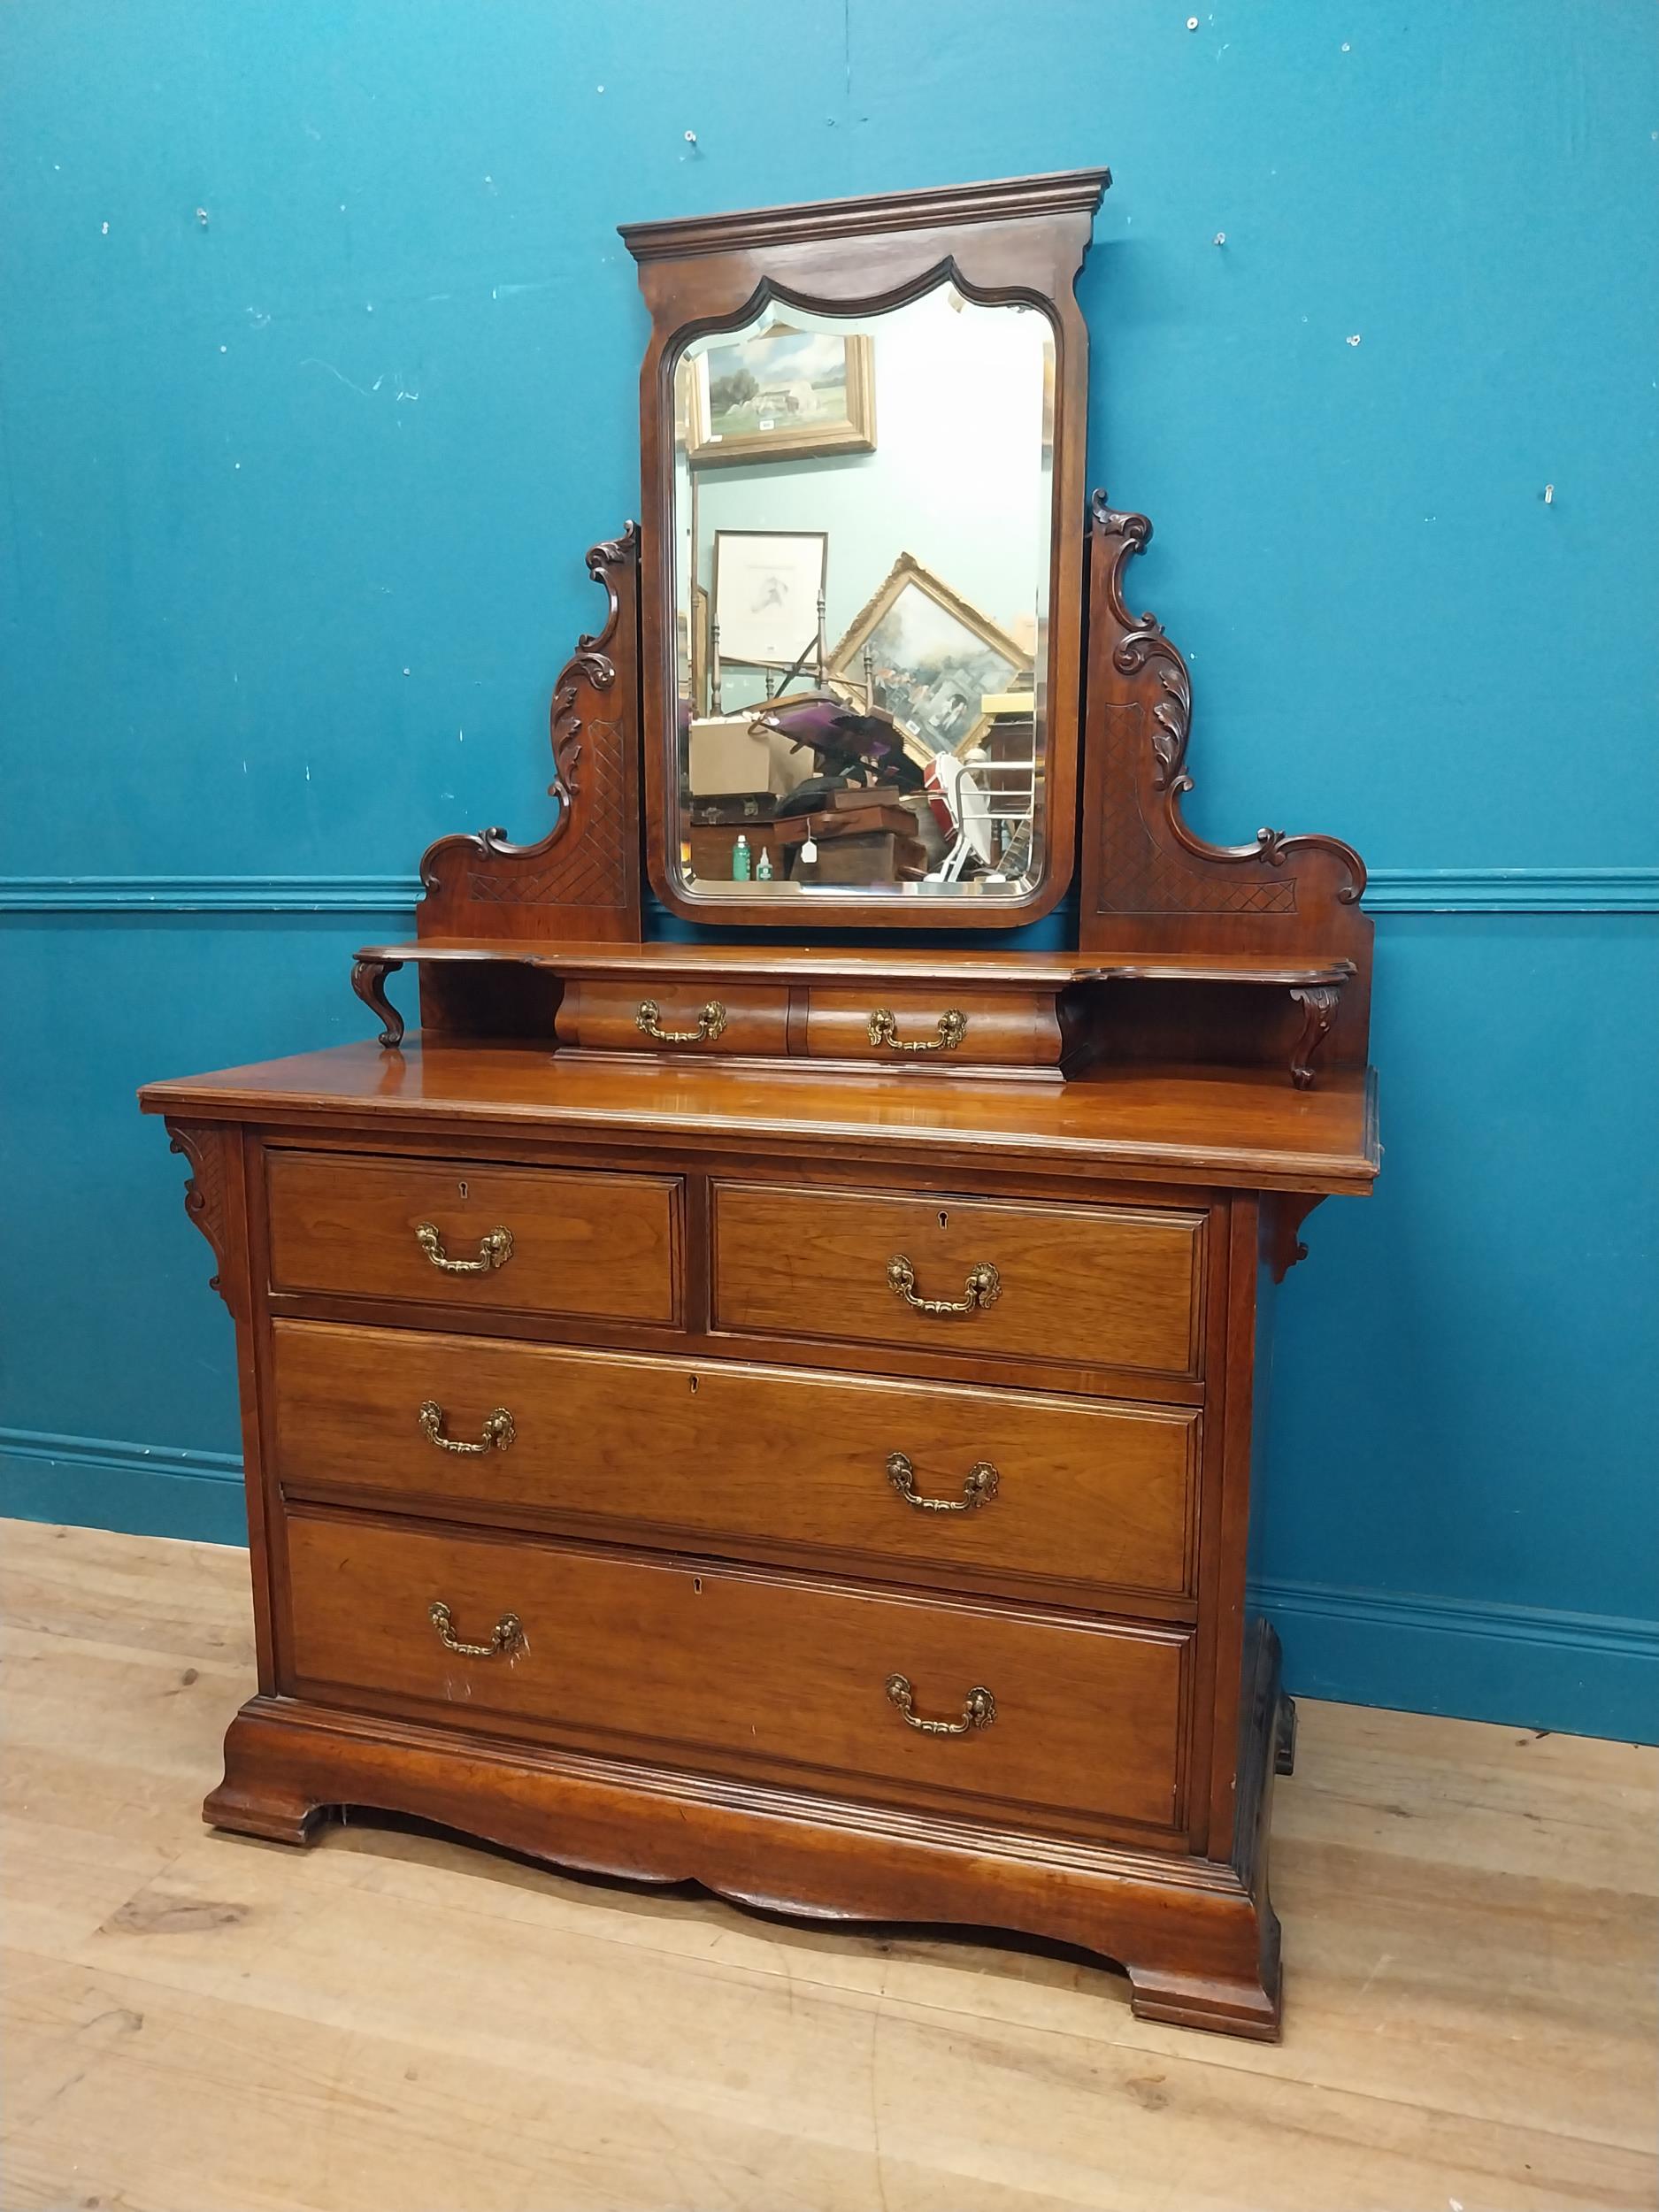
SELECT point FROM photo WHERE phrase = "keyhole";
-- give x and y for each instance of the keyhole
(693, 1386)
(943, 1218)
(696, 1586)
(462, 1188)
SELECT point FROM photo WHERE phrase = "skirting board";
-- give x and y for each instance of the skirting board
(1586, 1674)
(135, 1489)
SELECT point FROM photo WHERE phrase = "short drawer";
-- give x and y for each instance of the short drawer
(741, 1670)
(1082, 1285)
(934, 1029)
(684, 1018)
(920, 1476)
(467, 1233)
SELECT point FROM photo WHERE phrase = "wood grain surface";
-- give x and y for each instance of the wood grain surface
(1114, 1286)
(741, 1672)
(1087, 1495)
(590, 1244)
(1232, 1127)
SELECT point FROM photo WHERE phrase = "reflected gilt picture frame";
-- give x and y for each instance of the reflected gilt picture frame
(780, 394)
(698, 654)
(934, 656)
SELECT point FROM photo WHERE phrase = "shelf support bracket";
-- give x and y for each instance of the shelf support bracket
(368, 980)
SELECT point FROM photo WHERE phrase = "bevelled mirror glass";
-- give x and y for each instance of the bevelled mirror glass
(863, 516)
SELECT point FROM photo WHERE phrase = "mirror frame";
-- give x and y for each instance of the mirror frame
(1021, 239)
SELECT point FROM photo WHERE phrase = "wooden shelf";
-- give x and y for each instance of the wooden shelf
(666, 960)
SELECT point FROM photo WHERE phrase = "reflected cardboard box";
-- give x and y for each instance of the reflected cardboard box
(726, 758)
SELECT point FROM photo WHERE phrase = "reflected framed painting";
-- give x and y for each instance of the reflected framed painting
(778, 393)
(928, 658)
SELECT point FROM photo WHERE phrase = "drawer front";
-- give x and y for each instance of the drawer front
(601, 1246)
(921, 1475)
(934, 1029)
(741, 1670)
(671, 1018)
(1085, 1286)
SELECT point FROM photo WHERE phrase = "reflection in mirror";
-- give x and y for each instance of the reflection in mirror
(863, 511)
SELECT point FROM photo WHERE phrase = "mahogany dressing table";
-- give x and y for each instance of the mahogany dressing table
(775, 1410)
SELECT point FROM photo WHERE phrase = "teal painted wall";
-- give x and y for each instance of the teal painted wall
(298, 491)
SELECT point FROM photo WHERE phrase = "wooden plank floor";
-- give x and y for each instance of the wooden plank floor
(397, 2022)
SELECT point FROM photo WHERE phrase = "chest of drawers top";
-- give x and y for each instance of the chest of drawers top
(1213, 1128)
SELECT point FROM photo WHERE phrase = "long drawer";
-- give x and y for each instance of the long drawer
(741, 1670)
(471, 1234)
(923, 1475)
(1087, 1286)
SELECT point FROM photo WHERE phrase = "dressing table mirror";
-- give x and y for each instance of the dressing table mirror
(770, 1403)
(833, 747)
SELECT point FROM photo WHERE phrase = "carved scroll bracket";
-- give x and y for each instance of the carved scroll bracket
(368, 980)
(206, 1198)
(1318, 1004)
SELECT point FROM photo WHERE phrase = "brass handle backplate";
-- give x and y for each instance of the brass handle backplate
(984, 1288)
(494, 1250)
(710, 1025)
(498, 1431)
(506, 1638)
(978, 1709)
(884, 1030)
(978, 1488)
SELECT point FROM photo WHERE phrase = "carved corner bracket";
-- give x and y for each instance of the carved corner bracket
(1282, 1217)
(1138, 682)
(589, 858)
(368, 980)
(206, 1198)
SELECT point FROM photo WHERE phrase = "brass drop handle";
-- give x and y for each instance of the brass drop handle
(884, 1030)
(978, 1709)
(494, 1250)
(710, 1025)
(498, 1431)
(985, 1287)
(506, 1638)
(978, 1488)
